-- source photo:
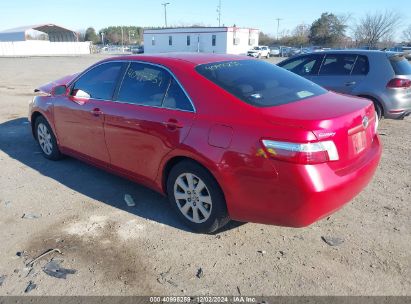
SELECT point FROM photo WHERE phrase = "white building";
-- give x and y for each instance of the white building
(222, 40)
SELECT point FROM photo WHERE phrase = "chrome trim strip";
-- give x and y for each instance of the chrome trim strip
(142, 62)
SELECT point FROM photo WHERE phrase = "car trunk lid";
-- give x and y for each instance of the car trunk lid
(349, 122)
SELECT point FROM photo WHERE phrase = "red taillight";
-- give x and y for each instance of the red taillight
(306, 153)
(398, 83)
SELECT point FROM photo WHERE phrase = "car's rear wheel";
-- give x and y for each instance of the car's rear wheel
(46, 139)
(196, 197)
(378, 109)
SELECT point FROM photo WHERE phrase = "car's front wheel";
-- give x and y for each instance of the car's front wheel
(46, 139)
(196, 197)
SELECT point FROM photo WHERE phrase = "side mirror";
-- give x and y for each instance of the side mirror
(59, 90)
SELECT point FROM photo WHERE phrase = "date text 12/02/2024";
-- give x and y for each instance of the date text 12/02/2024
(203, 299)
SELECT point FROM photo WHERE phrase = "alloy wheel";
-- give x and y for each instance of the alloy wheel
(193, 198)
(44, 138)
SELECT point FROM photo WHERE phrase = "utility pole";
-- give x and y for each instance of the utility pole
(130, 32)
(122, 39)
(278, 28)
(165, 11)
(219, 13)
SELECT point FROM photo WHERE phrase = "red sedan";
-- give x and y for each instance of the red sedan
(224, 137)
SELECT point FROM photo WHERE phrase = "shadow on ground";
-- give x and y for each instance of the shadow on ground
(17, 141)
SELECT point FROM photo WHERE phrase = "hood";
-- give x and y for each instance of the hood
(48, 87)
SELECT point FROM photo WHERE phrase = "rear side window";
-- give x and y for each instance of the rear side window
(176, 98)
(361, 66)
(99, 82)
(259, 83)
(304, 65)
(401, 66)
(144, 85)
(338, 64)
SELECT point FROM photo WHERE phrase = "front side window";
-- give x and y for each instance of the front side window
(305, 65)
(99, 82)
(144, 84)
(259, 83)
(338, 65)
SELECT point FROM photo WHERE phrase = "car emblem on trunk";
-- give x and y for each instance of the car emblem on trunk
(365, 122)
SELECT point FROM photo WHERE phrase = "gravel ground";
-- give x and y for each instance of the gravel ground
(143, 250)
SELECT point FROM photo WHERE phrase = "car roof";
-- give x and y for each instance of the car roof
(191, 58)
(358, 51)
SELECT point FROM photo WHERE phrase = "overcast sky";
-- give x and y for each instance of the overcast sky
(80, 14)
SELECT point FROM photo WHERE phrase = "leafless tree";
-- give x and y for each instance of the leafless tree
(373, 28)
(407, 34)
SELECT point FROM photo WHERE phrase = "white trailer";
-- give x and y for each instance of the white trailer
(220, 40)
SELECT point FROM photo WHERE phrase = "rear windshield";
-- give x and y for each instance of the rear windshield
(401, 66)
(259, 83)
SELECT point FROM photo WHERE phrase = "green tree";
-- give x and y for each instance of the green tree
(91, 35)
(122, 34)
(328, 30)
(265, 39)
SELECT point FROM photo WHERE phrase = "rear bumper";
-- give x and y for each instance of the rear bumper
(397, 104)
(299, 195)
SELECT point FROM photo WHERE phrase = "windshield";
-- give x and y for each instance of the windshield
(257, 48)
(259, 83)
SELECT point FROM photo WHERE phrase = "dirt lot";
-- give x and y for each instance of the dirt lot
(143, 250)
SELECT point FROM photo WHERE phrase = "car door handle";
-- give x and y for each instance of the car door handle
(172, 124)
(96, 112)
(350, 83)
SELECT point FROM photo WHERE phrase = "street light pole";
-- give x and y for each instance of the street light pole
(165, 12)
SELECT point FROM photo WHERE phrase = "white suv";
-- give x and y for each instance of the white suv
(259, 51)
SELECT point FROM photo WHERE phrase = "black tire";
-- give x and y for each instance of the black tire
(54, 153)
(377, 106)
(218, 216)
(378, 109)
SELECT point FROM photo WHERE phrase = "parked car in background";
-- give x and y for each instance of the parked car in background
(137, 49)
(259, 52)
(274, 51)
(286, 51)
(383, 77)
(223, 136)
(402, 49)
